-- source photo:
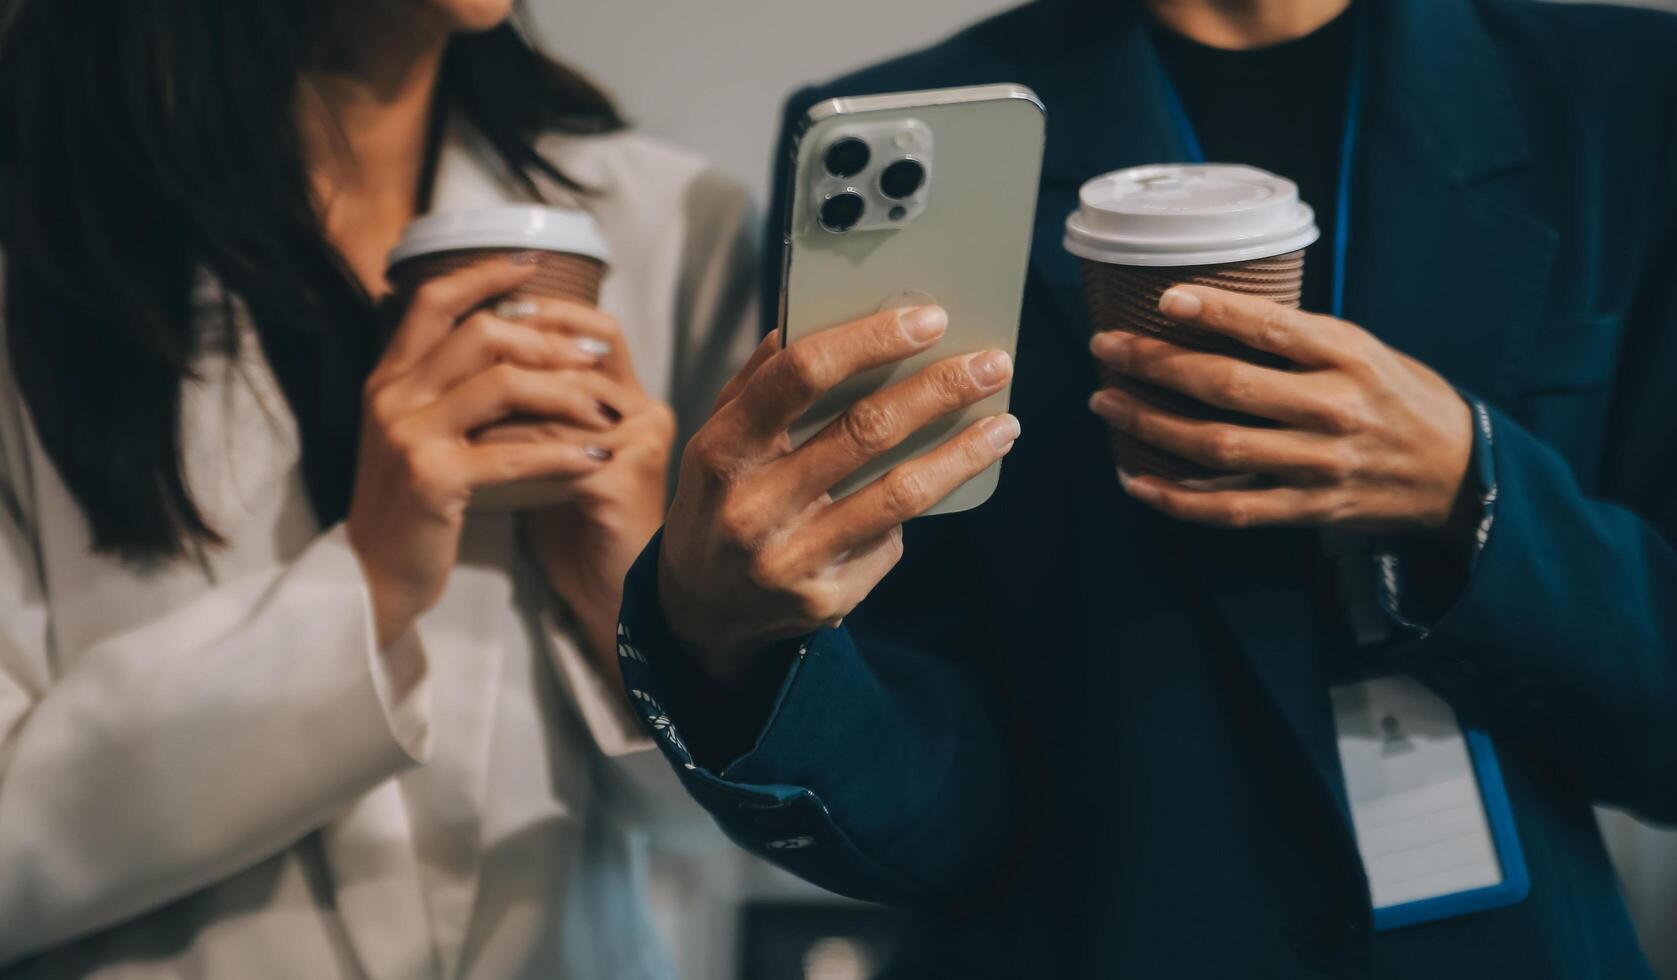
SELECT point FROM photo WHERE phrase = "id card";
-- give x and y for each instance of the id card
(1432, 819)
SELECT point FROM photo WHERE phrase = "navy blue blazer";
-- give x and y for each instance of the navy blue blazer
(1083, 740)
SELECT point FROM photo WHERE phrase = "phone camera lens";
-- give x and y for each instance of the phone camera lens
(902, 178)
(847, 157)
(841, 211)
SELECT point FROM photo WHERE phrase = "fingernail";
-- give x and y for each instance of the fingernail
(599, 453)
(1113, 348)
(1001, 431)
(611, 414)
(990, 368)
(1110, 405)
(1140, 491)
(527, 257)
(514, 309)
(593, 346)
(1179, 303)
(925, 323)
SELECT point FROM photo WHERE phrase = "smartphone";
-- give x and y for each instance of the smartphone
(902, 200)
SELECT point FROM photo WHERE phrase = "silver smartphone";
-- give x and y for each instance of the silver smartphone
(906, 199)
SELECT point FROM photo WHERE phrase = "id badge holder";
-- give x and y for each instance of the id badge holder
(1431, 815)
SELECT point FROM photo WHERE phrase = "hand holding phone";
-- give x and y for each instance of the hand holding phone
(908, 222)
(755, 550)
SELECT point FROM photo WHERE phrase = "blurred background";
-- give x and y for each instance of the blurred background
(689, 73)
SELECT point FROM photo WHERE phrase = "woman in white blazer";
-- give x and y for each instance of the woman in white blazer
(271, 703)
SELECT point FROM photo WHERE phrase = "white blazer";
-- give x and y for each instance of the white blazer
(202, 772)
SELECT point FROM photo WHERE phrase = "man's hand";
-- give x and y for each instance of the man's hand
(1367, 438)
(754, 549)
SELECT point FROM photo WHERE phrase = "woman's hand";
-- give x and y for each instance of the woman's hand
(448, 372)
(1366, 438)
(586, 545)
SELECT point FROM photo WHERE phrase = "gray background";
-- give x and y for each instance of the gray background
(710, 75)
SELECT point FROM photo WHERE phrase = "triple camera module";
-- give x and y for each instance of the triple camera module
(873, 176)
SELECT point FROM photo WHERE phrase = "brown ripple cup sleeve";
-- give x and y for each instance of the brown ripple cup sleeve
(570, 258)
(1127, 298)
(1143, 230)
(560, 275)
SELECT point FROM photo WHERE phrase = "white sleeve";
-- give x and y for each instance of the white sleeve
(181, 751)
(715, 325)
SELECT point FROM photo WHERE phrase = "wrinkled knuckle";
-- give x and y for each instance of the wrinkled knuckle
(802, 367)
(950, 385)
(869, 427)
(1237, 515)
(705, 455)
(737, 522)
(1274, 327)
(1214, 311)
(1234, 385)
(1227, 447)
(905, 493)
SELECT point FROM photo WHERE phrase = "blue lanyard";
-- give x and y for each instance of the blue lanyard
(1347, 153)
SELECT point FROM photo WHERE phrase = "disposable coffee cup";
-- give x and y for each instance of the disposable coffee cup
(1142, 230)
(570, 258)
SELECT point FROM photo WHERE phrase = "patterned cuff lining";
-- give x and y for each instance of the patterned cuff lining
(642, 680)
(638, 673)
(1389, 561)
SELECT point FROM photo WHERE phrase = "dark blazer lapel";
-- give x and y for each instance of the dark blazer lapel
(1438, 266)
(1435, 267)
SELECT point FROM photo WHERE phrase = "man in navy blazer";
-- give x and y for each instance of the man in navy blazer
(1085, 732)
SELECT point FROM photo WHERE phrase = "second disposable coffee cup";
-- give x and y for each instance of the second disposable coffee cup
(1143, 230)
(570, 255)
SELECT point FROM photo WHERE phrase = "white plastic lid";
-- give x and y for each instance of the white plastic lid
(1188, 214)
(521, 226)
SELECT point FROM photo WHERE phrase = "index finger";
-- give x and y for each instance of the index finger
(1305, 338)
(769, 347)
(791, 380)
(439, 303)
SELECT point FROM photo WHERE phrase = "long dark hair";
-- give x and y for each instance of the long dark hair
(142, 141)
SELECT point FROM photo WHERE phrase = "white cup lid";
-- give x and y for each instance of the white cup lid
(514, 226)
(1188, 214)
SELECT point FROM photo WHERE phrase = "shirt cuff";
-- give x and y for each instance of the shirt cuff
(404, 701)
(1405, 604)
(664, 685)
(402, 681)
